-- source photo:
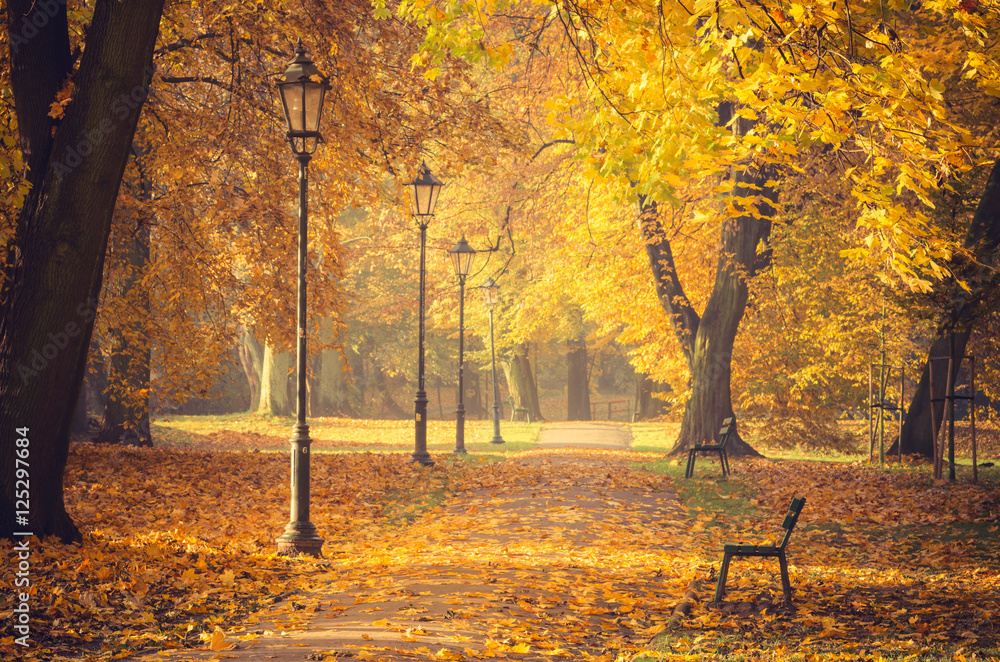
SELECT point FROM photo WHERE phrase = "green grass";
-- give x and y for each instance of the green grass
(654, 437)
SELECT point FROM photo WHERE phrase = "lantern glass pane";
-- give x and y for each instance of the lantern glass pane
(291, 98)
(490, 290)
(462, 260)
(433, 197)
(421, 199)
(424, 198)
(313, 106)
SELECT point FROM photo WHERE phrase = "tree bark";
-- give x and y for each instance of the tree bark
(53, 275)
(983, 240)
(473, 393)
(707, 341)
(646, 405)
(521, 384)
(252, 359)
(577, 381)
(276, 367)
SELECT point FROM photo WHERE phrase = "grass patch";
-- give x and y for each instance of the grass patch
(654, 437)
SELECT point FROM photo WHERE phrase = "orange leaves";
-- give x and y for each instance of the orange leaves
(65, 94)
(218, 640)
(857, 494)
(594, 565)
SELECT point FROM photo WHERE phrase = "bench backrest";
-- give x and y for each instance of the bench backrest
(728, 425)
(794, 510)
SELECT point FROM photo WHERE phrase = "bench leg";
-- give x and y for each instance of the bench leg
(720, 588)
(724, 460)
(786, 585)
(689, 471)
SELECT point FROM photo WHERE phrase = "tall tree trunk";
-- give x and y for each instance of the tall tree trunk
(918, 433)
(983, 239)
(54, 271)
(252, 359)
(646, 405)
(521, 384)
(473, 392)
(276, 367)
(707, 341)
(577, 381)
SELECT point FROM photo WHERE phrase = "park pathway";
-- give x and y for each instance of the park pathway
(579, 560)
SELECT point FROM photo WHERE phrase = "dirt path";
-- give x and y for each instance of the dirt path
(569, 563)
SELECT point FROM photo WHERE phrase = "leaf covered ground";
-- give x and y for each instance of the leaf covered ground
(178, 556)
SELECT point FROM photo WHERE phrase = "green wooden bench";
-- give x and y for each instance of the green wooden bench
(730, 550)
(514, 411)
(728, 427)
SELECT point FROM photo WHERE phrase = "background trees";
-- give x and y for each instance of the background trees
(212, 209)
(736, 194)
(711, 112)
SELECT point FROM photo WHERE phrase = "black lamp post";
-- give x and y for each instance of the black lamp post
(302, 92)
(424, 195)
(461, 256)
(491, 291)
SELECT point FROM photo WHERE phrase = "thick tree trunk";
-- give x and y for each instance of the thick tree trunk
(521, 384)
(54, 270)
(577, 381)
(707, 342)
(531, 385)
(918, 433)
(473, 393)
(647, 406)
(252, 359)
(983, 239)
(276, 367)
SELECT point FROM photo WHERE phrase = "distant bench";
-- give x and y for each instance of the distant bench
(515, 410)
(730, 550)
(728, 426)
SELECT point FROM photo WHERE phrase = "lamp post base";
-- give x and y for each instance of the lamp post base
(424, 459)
(497, 439)
(420, 453)
(460, 431)
(300, 539)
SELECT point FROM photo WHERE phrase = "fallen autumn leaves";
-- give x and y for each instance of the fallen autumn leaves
(179, 549)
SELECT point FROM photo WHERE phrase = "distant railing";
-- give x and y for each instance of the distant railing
(612, 407)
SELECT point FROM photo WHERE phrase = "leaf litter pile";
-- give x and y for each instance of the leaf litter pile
(580, 555)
